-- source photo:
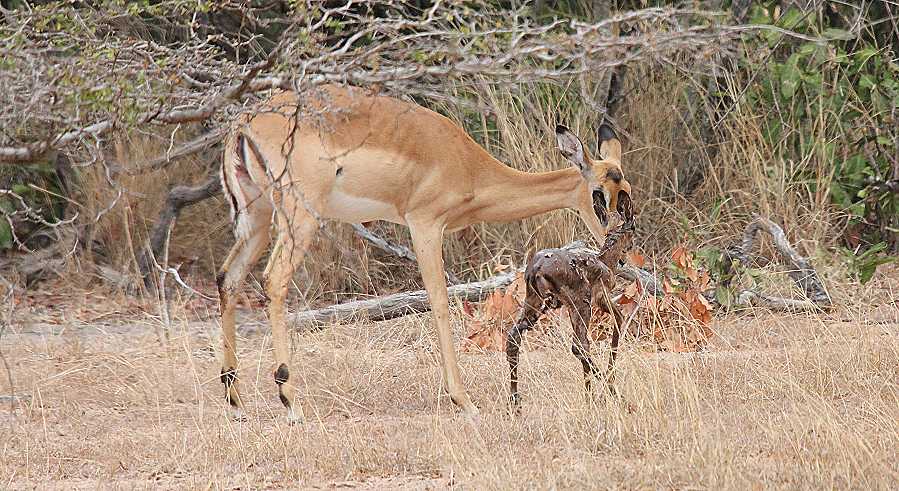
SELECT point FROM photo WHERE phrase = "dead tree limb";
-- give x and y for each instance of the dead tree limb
(648, 281)
(196, 145)
(801, 270)
(396, 305)
(179, 197)
(394, 249)
(749, 298)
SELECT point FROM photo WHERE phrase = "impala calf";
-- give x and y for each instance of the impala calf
(370, 157)
(578, 278)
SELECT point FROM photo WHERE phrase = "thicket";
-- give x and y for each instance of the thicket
(794, 117)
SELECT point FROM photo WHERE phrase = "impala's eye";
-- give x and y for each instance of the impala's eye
(614, 175)
(599, 206)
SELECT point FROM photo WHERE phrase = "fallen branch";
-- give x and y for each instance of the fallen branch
(749, 298)
(647, 280)
(801, 270)
(397, 305)
(179, 197)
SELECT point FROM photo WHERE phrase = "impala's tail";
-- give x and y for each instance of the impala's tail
(242, 167)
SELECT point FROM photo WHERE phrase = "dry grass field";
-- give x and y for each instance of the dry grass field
(778, 400)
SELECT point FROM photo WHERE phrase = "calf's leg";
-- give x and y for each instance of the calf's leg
(531, 311)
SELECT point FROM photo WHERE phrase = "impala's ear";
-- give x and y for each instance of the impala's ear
(572, 148)
(609, 145)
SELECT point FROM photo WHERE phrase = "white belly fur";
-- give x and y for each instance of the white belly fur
(354, 209)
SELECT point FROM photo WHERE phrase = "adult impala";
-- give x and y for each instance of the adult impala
(371, 158)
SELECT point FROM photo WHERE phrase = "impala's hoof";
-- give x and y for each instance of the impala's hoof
(294, 419)
(515, 404)
(473, 417)
(237, 415)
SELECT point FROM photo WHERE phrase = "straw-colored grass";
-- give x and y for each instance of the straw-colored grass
(790, 401)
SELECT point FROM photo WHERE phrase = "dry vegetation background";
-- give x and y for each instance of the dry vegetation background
(103, 388)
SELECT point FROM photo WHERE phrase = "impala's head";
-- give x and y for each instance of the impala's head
(608, 189)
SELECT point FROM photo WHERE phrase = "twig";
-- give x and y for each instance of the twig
(778, 304)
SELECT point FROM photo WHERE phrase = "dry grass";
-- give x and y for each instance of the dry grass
(791, 401)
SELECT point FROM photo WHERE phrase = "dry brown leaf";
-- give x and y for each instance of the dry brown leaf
(636, 259)
(692, 274)
(631, 293)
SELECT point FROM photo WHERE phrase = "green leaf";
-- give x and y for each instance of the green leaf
(791, 19)
(834, 34)
(5, 235)
(839, 195)
(789, 81)
(857, 209)
(863, 54)
(724, 296)
(867, 270)
(867, 82)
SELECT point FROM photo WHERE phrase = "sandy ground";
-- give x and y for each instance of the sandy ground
(778, 400)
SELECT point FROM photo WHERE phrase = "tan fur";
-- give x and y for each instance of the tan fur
(377, 158)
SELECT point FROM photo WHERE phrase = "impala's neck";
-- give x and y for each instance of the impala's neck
(510, 195)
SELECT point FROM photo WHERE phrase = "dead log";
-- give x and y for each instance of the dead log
(749, 298)
(179, 197)
(396, 305)
(648, 281)
(800, 270)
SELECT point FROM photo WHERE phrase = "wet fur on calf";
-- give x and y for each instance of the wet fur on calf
(577, 277)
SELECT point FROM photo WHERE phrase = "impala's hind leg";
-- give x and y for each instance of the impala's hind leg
(293, 239)
(244, 254)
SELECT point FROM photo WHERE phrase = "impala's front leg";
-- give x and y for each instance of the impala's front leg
(427, 240)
